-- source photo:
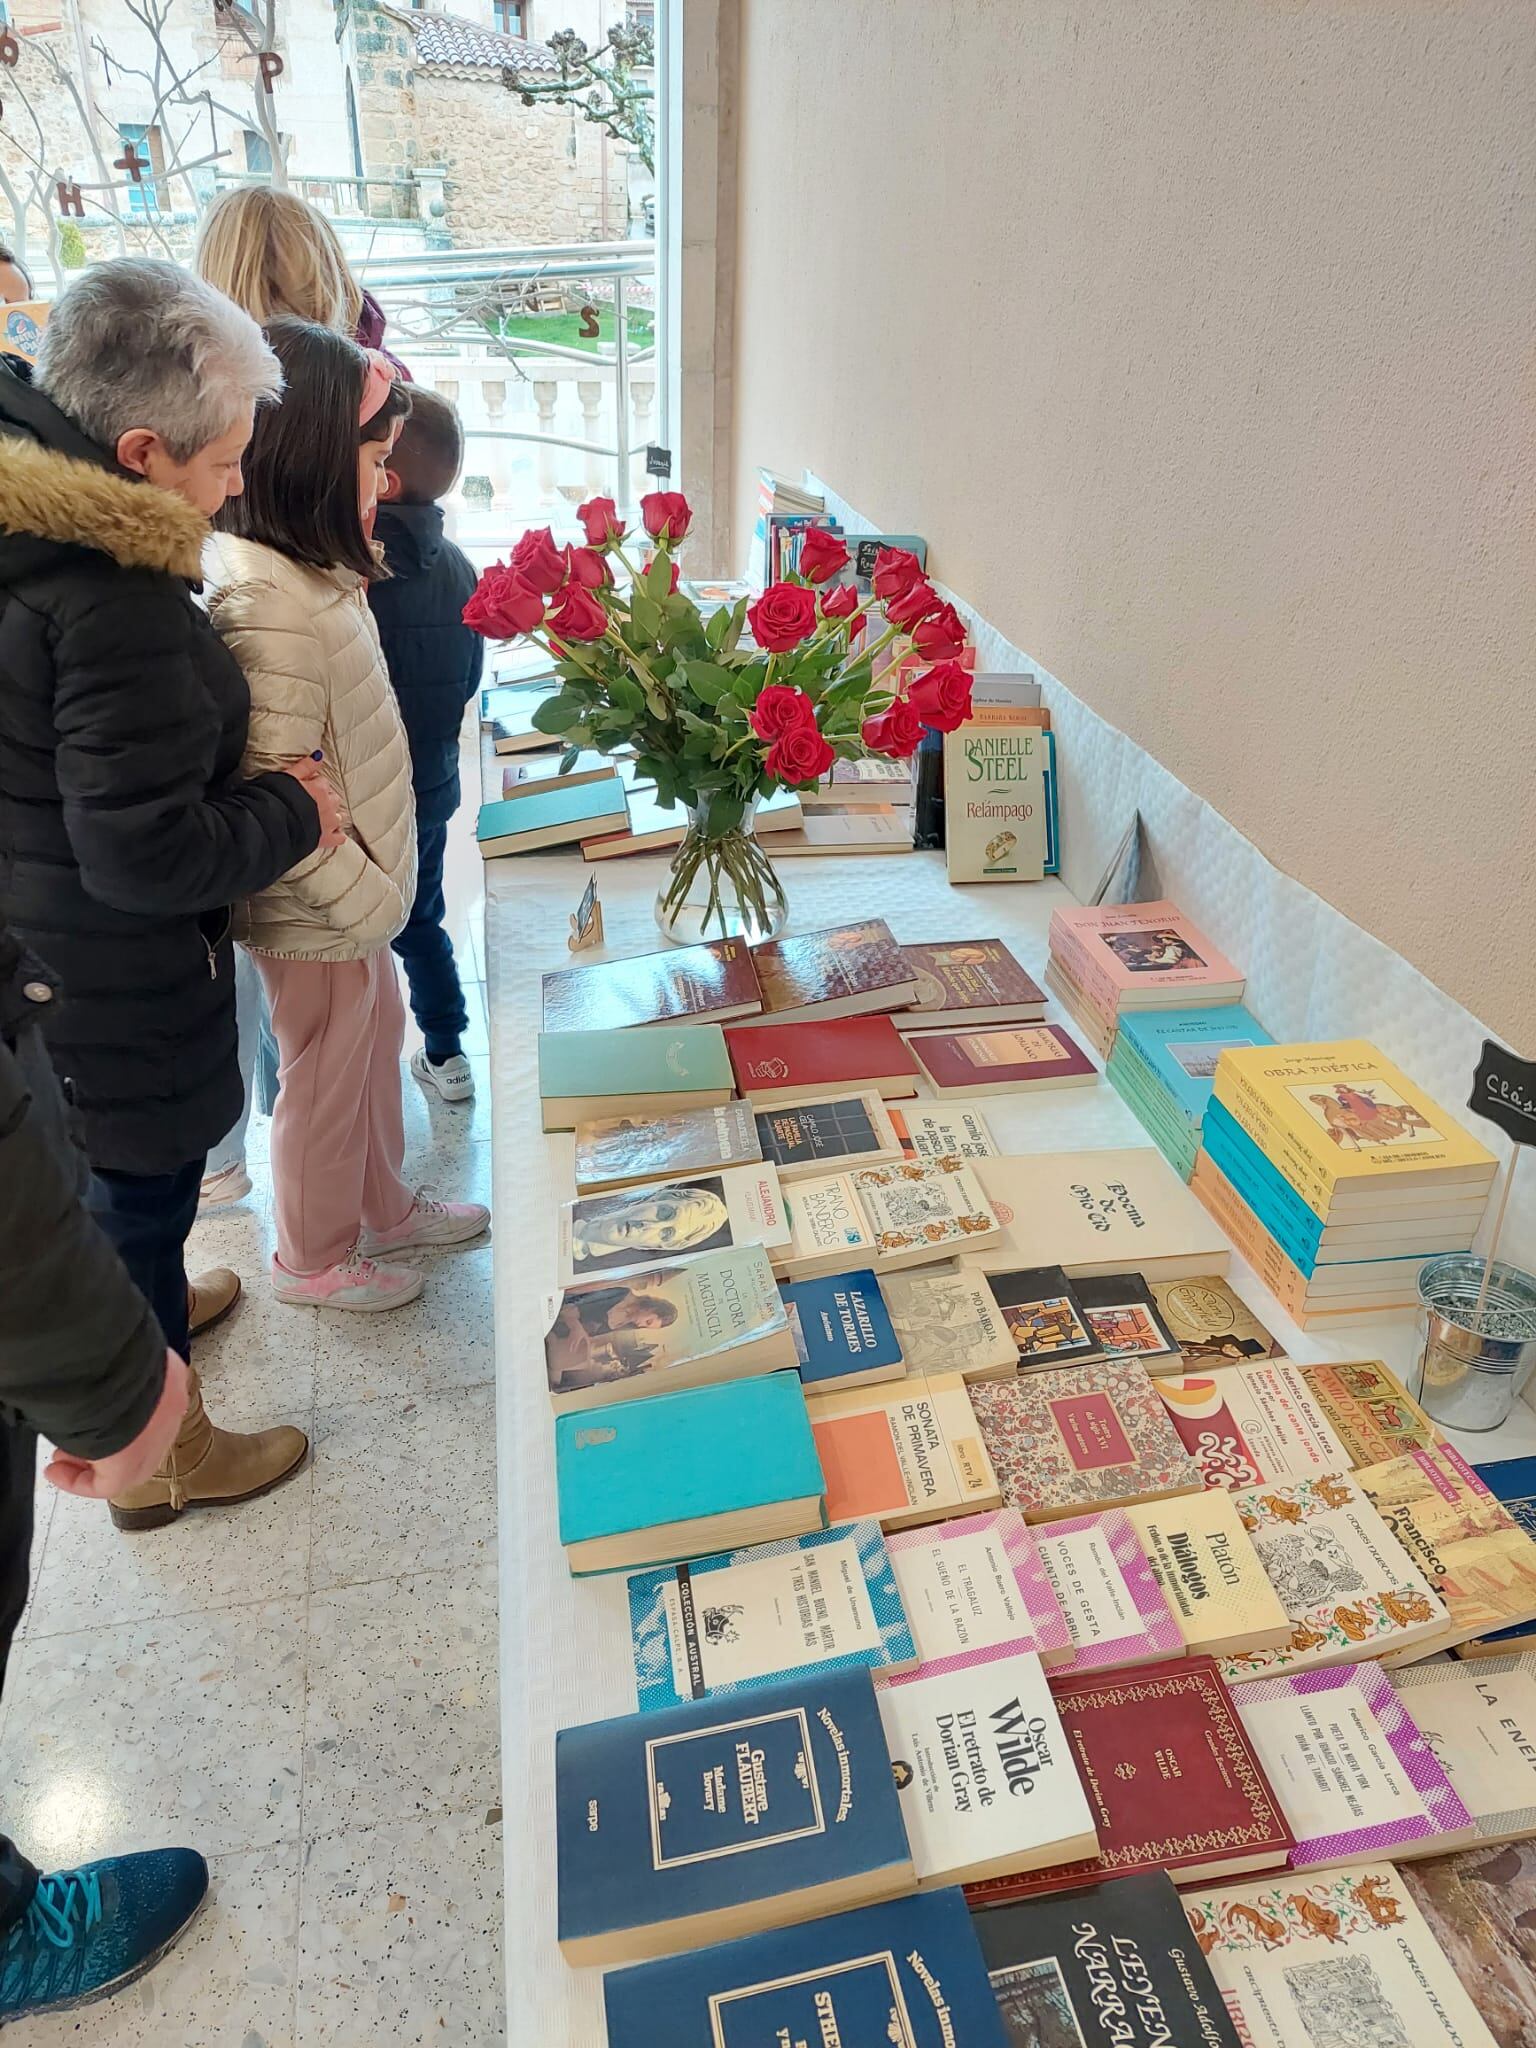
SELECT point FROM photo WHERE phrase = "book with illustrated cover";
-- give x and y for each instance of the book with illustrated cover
(1108, 1593)
(585, 1075)
(995, 803)
(1173, 1053)
(842, 1332)
(948, 1130)
(625, 1229)
(1136, 956)
(1481, 1908)
(1252, 1425)
(709, 1316)
(623, 1151)
(1512, 1481)
(906, 1453)
(799, 1063)
(725, 1817)
(851, 1130)
(1115, 1962)
(1351, 1768)
(732, 1622)
(1043, 1316)
(1210, 1574)
(1004, 1060)
(884, 1217)
(1332, 1960)
(1369, 1410)
(908, 1972)
(557, 816)
(1480, 1721)
(1172, 1779)
(705, 984)
(1074, 1440)
(1124, 1321)
(843, 971)
(970, 983)
(1349, 1587)
(1464, 1540)
(1212, 1322)
(985, 1776)
(1100, 1212)
(976, 1590)
(949, 1322)
(682, 1475)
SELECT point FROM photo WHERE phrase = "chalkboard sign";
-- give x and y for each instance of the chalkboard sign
(1504, 1091)
(658, 461)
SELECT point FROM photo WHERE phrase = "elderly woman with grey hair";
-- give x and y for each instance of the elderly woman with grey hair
(126, 829)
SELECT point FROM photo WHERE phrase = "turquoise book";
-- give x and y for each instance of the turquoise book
(671, 1066)
(731, 1623)
(909, 1973)
(682, 1475)
(1180, 1048)
(725, 1817)
(554, 817)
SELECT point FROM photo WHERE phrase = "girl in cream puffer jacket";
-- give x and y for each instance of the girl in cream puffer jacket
(287, 582)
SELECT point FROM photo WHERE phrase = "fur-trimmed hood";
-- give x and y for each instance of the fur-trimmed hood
(58, 498)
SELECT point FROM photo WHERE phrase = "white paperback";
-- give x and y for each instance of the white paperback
(627, 1229)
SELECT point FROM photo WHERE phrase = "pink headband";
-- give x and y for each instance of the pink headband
(376, 386)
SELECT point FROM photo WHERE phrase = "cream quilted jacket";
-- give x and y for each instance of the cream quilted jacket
(310, 651)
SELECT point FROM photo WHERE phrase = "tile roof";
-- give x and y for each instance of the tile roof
(447, 39)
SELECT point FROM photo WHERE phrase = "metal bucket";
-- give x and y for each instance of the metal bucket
(1473, 1367)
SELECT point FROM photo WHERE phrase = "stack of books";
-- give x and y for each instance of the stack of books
(1164, 1062)
(1135, 956)
(1335, 1175)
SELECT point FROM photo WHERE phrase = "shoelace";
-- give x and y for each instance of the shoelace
(358, 1267)
(59, 1901)
(423, 1201)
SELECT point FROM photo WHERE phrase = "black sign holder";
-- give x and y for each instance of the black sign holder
(1503, 1091)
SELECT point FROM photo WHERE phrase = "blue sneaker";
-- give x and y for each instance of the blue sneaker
(89, 1932)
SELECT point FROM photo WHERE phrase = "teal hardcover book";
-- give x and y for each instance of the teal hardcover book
(682, 1059)
(639, 1476)
(562, 812)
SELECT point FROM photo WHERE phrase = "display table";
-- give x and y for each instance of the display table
(566, 1643)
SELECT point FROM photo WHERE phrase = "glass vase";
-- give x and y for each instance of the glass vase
(721, 884)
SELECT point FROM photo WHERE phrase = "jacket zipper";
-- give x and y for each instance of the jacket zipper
(212, 949)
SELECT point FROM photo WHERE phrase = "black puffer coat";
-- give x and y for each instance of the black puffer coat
(125, 829)
(434, 658)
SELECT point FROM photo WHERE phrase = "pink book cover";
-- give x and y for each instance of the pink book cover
(1108, 1593)
(1345, 1733)
(1139, 946)
(982, 1581)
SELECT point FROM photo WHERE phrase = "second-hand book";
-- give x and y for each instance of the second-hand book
(629, 1228)
(842, 1332)
(844, 971)
(850, 1130)
(905, 1453)
(1123, 1317)
(1172, 1778)
(1100, 1212)
(1351, 1769)
(1511, 1481)
(1252, 1425)
(1480, 1721)
(908, 1972)
(1331, 1961)
(778, 1063)
(709, 1316)
(986, 1778)
(1210, 1574)
(1480, 1906)
(942, 1130)
(976, 1590)
(995, 803)
(1113, 1963)
(1005, 1060)
(1070, 1441)
(554, 817)
(1108, 1593)
(725, 1817)
(731, 1623)
(968, 984)
(591, 1074)
(949, 1322)
(623, 1151)
(1369, 1410)
(1211, 1322)
(683, 1475)
(885, 1217)
(711, 983)
(1043, 1317)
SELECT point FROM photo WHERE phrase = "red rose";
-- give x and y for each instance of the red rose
(538, 561)
(601, 522)
(940, 636)
(503, 605)
(779, 709)
(822, 554)
(941, 696)
(587, 568)
(895, 571)
(645, 569)
(914, 603)
(896, 732)
(667, 515)
(577, 615)
(840, 602)
(800, 754)
(783, 616)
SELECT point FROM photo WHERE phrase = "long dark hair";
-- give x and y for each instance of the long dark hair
(300, 493)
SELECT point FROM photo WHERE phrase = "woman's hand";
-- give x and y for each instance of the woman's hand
(105, 1478)
(309, 773)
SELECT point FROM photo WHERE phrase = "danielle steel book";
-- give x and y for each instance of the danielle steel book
(994, 804)
(1210, 1574)
(712, 983)
(1108, 1593)
(906, 1453)
(976, 1590)
(729, 1623)
(844, 971)
(1004, 1060)
(709, 1316)
(623, 1151)
(1100, 1212)
(949, 1322)
(842, 1332)
(629, 1228)
(969, 984)
(725, 1817)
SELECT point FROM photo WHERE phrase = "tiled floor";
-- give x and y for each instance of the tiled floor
(303, 1688)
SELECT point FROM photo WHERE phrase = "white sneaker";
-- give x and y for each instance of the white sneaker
(227, 1184)
(428, 1223)
(353, 1282)
(454, 1079)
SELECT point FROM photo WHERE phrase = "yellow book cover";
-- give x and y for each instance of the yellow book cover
(1370, 1410)
(1350, 1111)
(1205, 1562)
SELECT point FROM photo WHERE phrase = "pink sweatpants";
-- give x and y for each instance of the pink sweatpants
(338, 1138)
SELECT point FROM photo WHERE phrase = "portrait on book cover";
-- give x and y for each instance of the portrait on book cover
(614, 1230)
(1357, 1115)
(1152, 952)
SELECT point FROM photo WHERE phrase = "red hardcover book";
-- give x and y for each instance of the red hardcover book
(1172, 1779)
(1003, 1060)
(705, 984)
(776, 1063)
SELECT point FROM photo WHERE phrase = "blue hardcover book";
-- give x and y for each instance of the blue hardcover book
(843, 1330)
(646, 1482)
(725, 1817)
(909, 1973)
(1180, 1048)
(1513, 1482)
(1052, 810)
(825, 1602)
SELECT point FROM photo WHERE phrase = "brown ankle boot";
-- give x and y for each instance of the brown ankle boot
(208, 1467)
